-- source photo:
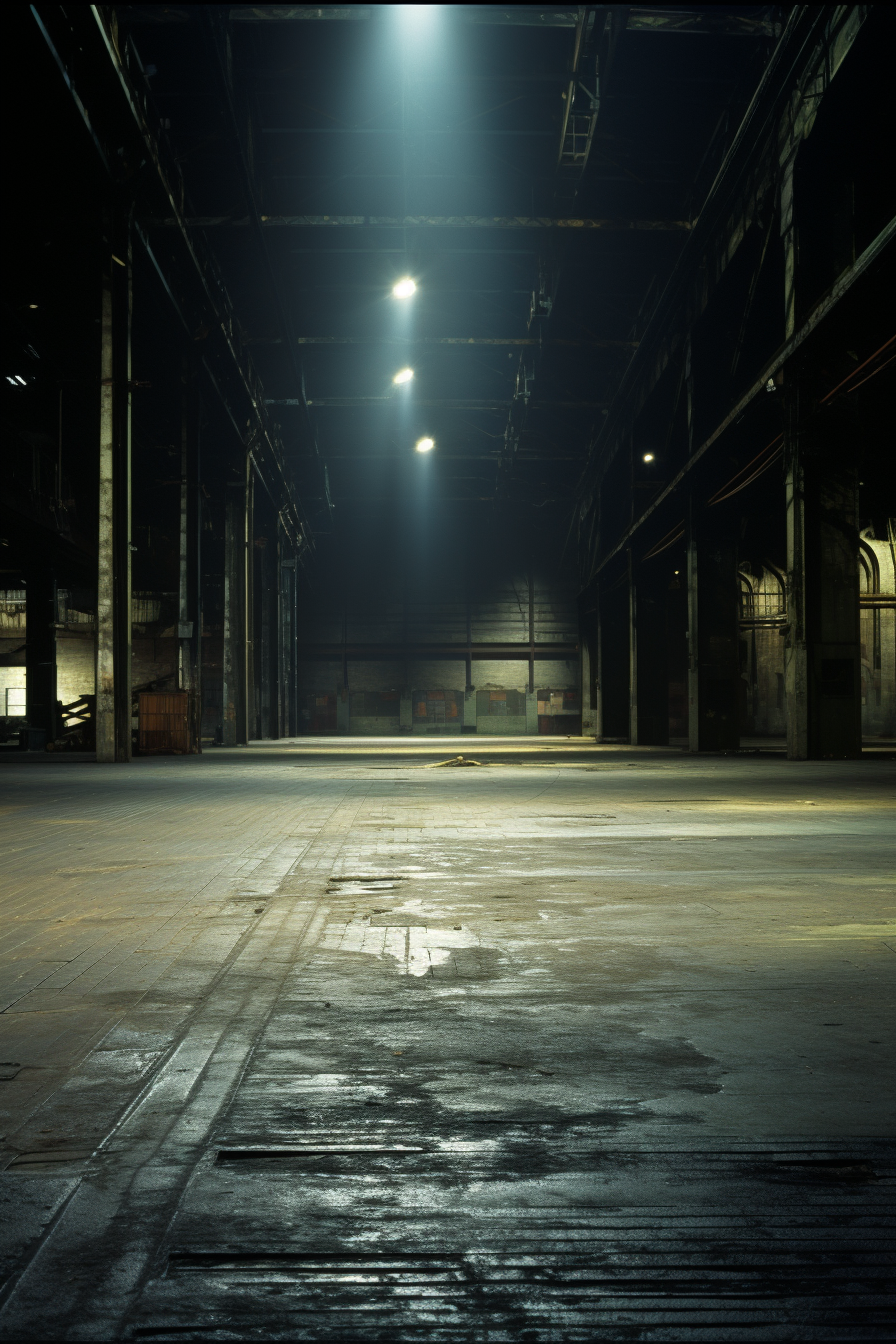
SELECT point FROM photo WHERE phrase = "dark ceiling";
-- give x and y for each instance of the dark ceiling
(445, 122)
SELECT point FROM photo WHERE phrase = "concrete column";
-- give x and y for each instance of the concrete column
(648, 676)
(469, 723)
(250, 727)
(406, 712)
(234, 622)
(598, 671)
(113, 654)
(822, 655)
(713, 671)
(290, 690)
(342, 703)
(189, 616)
(531, 688)
(532, 713)
(788, 236)
(614, 649)
(40, 653)
(266, 664)
(587, 676)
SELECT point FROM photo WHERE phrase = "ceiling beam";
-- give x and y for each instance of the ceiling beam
(353, 403)
(512, 222)
(505, 341)
(701, 20)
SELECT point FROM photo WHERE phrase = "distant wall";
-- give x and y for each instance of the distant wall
(494, 613)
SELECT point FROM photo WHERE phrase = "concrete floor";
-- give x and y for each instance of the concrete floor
(314, 1040)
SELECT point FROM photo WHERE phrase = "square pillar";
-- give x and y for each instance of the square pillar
(587, 673)
(614, 651)
(532, 713)
(648, 676)
(113, 635)
(469, 723)
(236, 722)
(822, 652)
(189, 616)
(713, 669)
(40, 654)
(342, 711)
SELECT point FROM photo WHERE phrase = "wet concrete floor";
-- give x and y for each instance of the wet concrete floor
(319, 1040)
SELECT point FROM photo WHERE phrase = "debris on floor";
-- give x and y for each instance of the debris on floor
(455, 760)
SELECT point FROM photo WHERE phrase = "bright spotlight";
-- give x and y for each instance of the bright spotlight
(416, 19)
(648, 457)
(403, 376)
(404, 288)
(424, 445)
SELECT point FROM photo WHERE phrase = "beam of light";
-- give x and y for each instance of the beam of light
(417, 17)
(403, 376)
(403, 289)
(425, 445)
(648, 457)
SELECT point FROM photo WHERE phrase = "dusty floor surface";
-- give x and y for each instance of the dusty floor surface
(315, 1041)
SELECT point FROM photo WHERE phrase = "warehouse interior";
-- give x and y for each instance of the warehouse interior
(390, 390)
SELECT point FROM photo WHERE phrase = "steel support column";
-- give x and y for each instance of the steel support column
(113, 641)
(249, 729)
(713, 672)
(40, 653)
(613, 616)
(189, 616)
(234, 680)
(648, 675)
(289, 700)
(588, 672)
(822, 655)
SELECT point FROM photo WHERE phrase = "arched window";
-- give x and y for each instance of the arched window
(869, 570)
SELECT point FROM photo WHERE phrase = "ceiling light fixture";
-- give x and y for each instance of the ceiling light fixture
(403, 289)
(424, 445)
(648, 457)
(403, 376)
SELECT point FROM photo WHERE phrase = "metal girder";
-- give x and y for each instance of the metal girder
(398, 130)
(750, 141)
(162, 170)
(591, 344)
(526, 455)
(218, 41)
(346, 403)
(479, 652)
(760, 384)
(702, 20)
(514, 222)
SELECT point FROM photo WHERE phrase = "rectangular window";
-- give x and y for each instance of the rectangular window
(15, 702)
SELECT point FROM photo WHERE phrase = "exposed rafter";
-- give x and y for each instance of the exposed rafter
(701, 20)
(514, 222)
(503, 341)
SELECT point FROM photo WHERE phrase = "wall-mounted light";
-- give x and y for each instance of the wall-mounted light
(403, 289)
(403, 376)
(648, 457)
(425, 445)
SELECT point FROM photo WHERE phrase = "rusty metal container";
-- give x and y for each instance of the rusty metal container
(164, 723)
